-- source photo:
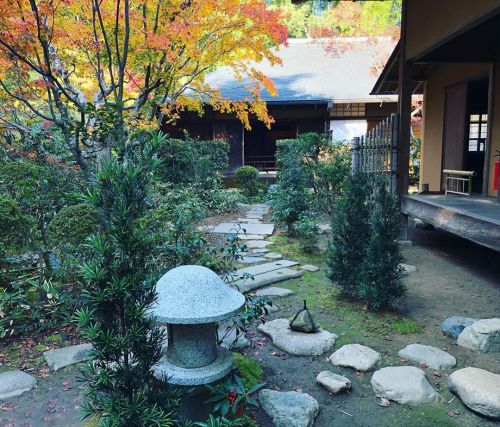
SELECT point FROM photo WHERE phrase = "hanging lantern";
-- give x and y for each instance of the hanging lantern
(303, 321)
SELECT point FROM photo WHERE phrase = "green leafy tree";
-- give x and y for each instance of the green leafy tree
(127, 342)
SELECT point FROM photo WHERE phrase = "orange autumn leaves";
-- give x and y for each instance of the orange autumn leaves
(58, 55)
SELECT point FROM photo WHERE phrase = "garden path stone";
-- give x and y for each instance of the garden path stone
(250, 236)
(355, 356)
(483, 336)
(453, 326)
(265, 268)
(15, 383)
(235, 227)
(261, 280)
(274, 292)
(257, 244)
(407, 269)
(334, 383)
(62, 357)
(478, 389)
(404, 385)
(431, 356)
(232, 342)
(309, 267)
(251, 259)
(249, 220)
(273, 255)
(260, 251)
(289, 408)
(297, 343)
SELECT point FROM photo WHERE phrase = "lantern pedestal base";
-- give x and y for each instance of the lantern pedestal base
(177, 375)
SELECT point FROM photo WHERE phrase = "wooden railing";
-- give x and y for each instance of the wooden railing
(262, 163)
(377, 151)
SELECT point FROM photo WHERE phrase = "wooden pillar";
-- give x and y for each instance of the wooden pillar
(404, 112)
(487, 148)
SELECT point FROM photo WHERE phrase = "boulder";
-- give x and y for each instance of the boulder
(62, 357)
(303, 322)
(297, 343)
(289, 408)
(355, 356)
(483, 336)
(15, 383)
(454, 325)
(431, 356)
(232, 341)
(403, 384)
(334, 383)
(274, 291)
(478, 389)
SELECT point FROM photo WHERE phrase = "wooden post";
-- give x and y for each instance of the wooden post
(355, 155)
(404, 112)
(394, 152)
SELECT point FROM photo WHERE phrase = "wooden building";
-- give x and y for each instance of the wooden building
(449, 52)
(319, 90)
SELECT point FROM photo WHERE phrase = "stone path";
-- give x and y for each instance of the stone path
(289, 409)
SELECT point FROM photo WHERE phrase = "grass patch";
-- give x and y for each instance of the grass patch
(250, 370)
(319, 292)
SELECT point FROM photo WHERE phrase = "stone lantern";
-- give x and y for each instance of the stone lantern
(191, 300)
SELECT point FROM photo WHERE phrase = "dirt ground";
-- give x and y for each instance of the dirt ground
(454, 277)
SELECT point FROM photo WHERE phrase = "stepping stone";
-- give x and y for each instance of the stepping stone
(404, 385)
(251, 259)
(260, 251)
(355, 356)
(309, 267)
(273, 255)
(264, 279)
(235, 227)
(297, 343)
(62, 357)
(233, 342)
(257, 244)
(407, 269)
(334, 383)
(15, 383)
(265, 268)
(250, 236)
(249, 220)
(271, 308)
(324, 228)
(453, 326)
(483, 336)
(478, 389)
(206, 228)
(254, 215)
(274, 292)
(405, 243)
(431, 356)
(289, 408)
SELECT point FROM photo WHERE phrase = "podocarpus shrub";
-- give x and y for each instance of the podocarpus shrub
(247, 180)
(127, 342)
(363, 253)
(350, 234)
(307, 232)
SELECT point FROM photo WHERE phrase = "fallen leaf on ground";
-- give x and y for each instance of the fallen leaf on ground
(453, 414)
(384, 402)
(436, 373)
(424, 365)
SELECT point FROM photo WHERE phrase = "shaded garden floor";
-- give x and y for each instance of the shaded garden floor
(453, 277)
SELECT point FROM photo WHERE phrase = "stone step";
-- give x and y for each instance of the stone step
(251, 236)
(261, 280)
(15, 383)
(265, 268)
(236, 227)
(62, 357)
(257, 244)
(251, 259)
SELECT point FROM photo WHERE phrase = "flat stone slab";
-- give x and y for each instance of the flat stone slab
(297, 343)
(404, 385)
(274, 292)
(265, 268)
(355, 356)
(407, 269)
(251, 236)
(257, 244)
(235, 227)
(454, 325)
(261, 280)
(15, 383)
(251, 259)
(309, 267)
(334, 383)
(249, 220)
(431, 356)
(273, 255)
(260, 251)
(478, 389)
(66, 356)
(289, 408)
(483, 336)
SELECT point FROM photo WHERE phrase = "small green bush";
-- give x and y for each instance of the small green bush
(249, 369)
(72, 225)
(307, 232)
(14, 225)
(247, 180)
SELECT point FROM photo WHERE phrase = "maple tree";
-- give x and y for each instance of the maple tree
(99, 71)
